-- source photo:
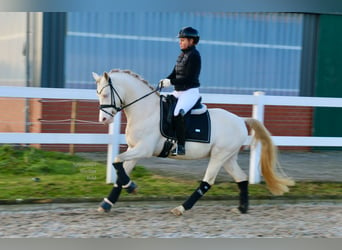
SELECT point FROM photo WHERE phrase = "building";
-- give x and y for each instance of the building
(294, 54)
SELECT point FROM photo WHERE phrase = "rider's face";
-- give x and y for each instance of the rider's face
(184, 43)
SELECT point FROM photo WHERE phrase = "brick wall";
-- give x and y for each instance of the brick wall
(56, 118)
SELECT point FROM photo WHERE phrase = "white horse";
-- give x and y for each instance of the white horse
(123, 90)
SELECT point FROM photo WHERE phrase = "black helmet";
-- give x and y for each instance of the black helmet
(189, 32)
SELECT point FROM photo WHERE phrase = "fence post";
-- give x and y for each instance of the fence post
(254, 160)
(73, 124)
(113, 148)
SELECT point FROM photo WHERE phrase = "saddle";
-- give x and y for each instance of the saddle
(197, 120)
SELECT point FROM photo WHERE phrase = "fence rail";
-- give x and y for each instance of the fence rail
(113, 139)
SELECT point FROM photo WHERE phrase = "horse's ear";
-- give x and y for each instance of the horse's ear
(96, 76)
(106, 76)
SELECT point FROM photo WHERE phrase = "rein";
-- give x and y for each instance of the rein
(113, 92)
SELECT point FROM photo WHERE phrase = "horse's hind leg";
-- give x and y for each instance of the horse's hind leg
(208, 180)
(233, 168)
(190, 202)
(122, 178)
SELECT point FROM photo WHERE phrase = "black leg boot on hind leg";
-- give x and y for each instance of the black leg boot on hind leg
(190, 202)
(243, 206)
(179, 123)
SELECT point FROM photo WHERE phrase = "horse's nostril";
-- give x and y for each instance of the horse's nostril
(104, 118)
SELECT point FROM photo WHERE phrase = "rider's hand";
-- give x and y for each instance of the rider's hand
(164, 83)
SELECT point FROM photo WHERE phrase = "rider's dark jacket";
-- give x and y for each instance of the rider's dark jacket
(185, 74)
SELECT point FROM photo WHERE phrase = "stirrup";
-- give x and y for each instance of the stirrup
(179, 150)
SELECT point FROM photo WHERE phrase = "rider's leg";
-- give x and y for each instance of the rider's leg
(186, 100)
(180, 134)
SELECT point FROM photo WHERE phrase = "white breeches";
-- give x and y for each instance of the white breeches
(186, 99)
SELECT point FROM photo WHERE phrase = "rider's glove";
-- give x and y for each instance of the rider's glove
(164, 83)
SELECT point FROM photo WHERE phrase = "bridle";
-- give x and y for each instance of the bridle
(112, 104)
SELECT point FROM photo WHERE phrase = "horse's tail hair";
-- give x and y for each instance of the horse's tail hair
(276, 182)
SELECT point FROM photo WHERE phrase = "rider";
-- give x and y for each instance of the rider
(185, 78)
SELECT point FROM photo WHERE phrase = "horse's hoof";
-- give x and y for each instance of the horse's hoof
(243, 209)
(105, 206)
(178, 211)
(100, 209)
(235, 210)
(238, 210)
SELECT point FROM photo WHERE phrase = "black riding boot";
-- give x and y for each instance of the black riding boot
(243, 186)
(180, 133)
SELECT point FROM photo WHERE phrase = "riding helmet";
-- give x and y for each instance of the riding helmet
(189, 32)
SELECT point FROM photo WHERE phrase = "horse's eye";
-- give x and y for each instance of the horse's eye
(104, 95)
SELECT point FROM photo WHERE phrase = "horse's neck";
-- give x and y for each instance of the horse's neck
(146, 108)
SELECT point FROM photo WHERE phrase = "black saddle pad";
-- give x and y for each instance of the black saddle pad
(197, 126)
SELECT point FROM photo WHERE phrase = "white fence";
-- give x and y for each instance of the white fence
(114, 138)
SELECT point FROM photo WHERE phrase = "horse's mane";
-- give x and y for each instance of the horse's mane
(129, 72)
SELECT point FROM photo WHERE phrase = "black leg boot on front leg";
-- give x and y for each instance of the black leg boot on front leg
(244, 200)
(122, 181)
(179, 123)
(107, 203)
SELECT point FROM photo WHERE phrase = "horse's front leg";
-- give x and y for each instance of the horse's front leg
(122, 181)
(124, 164)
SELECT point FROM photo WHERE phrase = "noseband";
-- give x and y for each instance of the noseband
(112, 104)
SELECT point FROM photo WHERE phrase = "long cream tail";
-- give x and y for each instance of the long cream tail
(276, 183)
